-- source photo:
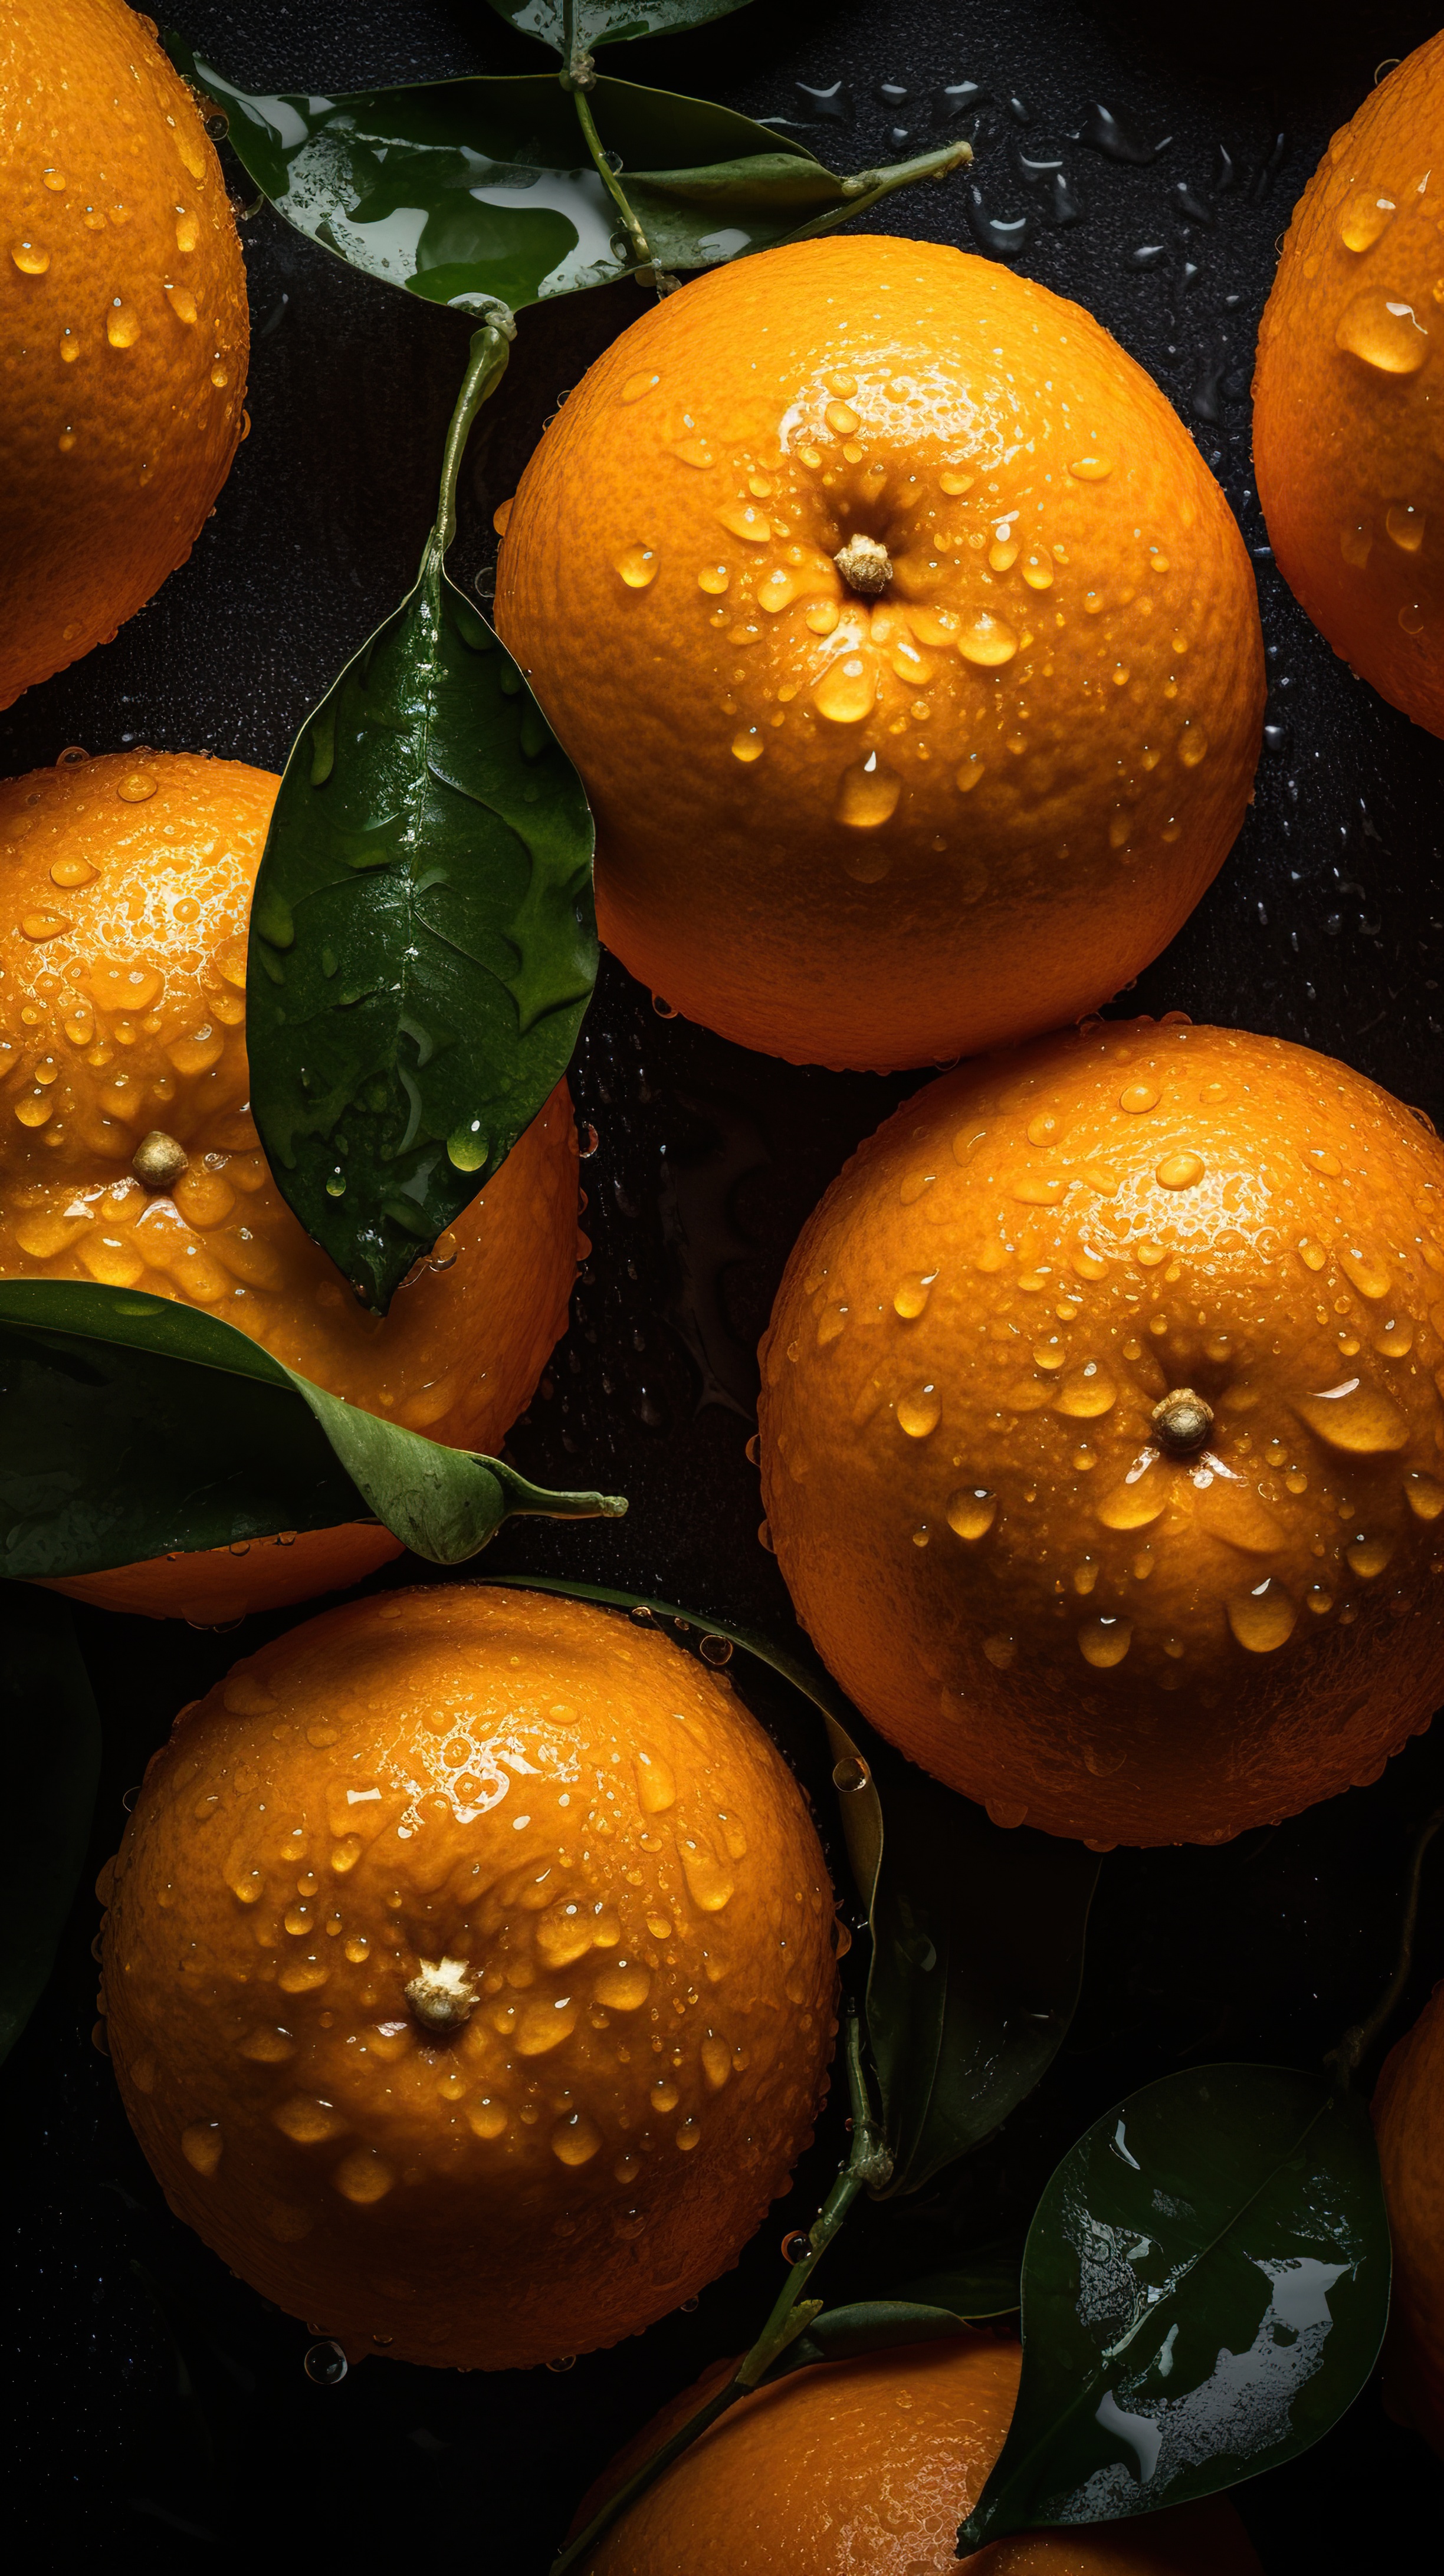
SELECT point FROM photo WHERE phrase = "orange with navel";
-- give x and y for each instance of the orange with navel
(124, 327)
(1102, 1434)
(128, 1155)
(469, 1974)
(1409, 2124)
(867, 2468)
(908, 651)
(1345, 393)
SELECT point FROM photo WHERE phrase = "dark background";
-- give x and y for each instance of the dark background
(161, 2410)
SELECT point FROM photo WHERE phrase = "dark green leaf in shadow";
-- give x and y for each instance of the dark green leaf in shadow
(474, 192)
(872, 2325)
(608, 22)
(978, 1940)
(986, 2283)
(423, 945)
(977, 1932)
(1204, 2291)
(52, 1764)
(131, 1426)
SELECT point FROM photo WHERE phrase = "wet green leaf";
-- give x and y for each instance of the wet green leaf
(1204, 2291)
(871, 2325)
(471, 192)
(608, 22)
(52, 1764)
(131, 1426)
(423, 945)
(977, 1933)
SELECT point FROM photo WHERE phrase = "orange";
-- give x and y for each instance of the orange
(1409, 2122)
(880, 826)
(866, 2468)
(469, 1974)
(127, 882)
(123, 326)
(1345, 438)
(1102, 1619)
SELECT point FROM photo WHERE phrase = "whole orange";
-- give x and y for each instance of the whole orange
(123, 326)
(469, 1974)
(1345, 437)
(1102, 1442)
(871, 2465)
(127, 884)
(1409, 2123)
(908, 651)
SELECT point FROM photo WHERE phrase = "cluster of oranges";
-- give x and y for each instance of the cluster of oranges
(469, 1958)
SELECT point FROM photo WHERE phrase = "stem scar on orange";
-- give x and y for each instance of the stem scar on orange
(128, 1154)
(1102, 1435)
(906, 646)
(469, 1974)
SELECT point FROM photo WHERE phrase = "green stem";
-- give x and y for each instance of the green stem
(868, 2163)
(641, 247)
(1354, 2047)
(490, 350)
(867, 188)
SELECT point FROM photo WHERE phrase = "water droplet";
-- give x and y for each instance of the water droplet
(623, 1986)
(1396, 1340)
(847, 691)
(710, 1883)
(187, 230)
(136, 786)
(689, 2135)
(1001, 1651)
(1105, 1642)
(1140, 1499)
(202, 2145)
(714, 578)
(867, 794)
(638, 565)
(326, 2364)
(1263, 1619)
(44, 925)
(1405, 525)
(575, 2139)
(748, 745)
(1092, 469)
(1137, 1096)
(1193, 744)
(1369, 1555)
(850, 1775)
(988, 642)
(913, 1184)
(1425, 1496)
(911, 1295)
(1179, 1171)
(182, 303)
(656, 1784)
(1086, 1391)
(716, 2062)
(122, 325)
(30, 259)
(821, 617)
(972, 1511)
(220, 378)
(744, 519)
(1365, 1269)
(54, 180)
(1364, 215)
(1384, 333)
(919, 1411)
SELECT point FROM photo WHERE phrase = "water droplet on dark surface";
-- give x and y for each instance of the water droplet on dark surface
(959, 98)
(999, 236)
(834, 102)
(1118, 139)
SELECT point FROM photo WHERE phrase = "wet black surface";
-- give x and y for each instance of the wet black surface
(1325, 926)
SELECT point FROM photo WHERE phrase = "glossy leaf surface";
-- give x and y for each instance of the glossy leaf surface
(977, 1933)
(474, 192)
(131, 1426)
(1204, 2291)
(608, 22)
(51, 1736)
(423, 945)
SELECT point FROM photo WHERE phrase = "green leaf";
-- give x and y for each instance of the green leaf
(52, 1764)
(984, 2284)
(423, 945)
(871, 2325)
(608, 22)
(474, 192)
(978, 1938)
(131, 1426)
(977, 1932)
(1204, 2292)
